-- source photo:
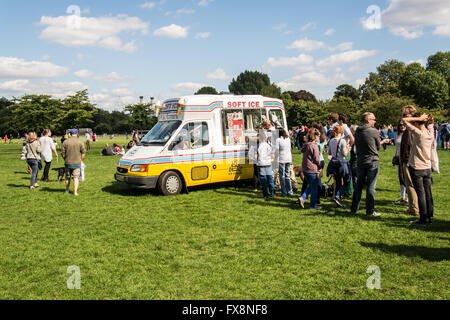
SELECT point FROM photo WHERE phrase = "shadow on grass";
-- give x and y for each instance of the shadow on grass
(116, 189)
(47, 189)
(430, 254)
(18, 185)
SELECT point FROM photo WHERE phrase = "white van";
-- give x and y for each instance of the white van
(198, 140)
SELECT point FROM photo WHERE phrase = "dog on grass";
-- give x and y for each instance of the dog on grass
(61, 173)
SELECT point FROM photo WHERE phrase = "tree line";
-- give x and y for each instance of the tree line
(384, 92)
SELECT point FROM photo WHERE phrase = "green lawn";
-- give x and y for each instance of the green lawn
(213, 243)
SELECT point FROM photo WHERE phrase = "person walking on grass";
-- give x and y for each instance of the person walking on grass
(367, 142)
(311, 167)
(32, 150)
(47, 147)
(73, 153)
(419, 164)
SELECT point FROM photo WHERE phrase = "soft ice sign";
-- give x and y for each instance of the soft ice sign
(243, 104)
(170, 107)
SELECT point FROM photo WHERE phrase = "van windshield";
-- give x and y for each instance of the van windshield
(161, 132)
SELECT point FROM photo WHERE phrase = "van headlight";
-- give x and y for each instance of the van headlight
(139, 168)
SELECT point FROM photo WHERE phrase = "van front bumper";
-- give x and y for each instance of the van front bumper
(137, 182)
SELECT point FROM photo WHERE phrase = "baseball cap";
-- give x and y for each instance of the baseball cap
(74, 131)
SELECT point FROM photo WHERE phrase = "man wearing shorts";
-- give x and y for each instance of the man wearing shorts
(73, 153)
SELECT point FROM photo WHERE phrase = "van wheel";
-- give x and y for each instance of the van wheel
(170, 183)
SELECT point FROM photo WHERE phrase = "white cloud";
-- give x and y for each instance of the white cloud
(219, 74)
(329, 32)
(345, 57)
(408, 18)
(307, 45)
(202, 35)
(180, 12)
(56, 89)
(345, 46)
(110, 77)
(311, 80)
(421, 61)
(173, 31)
(442, 30)
(148, 5)
(83, 74)
(187, 87)
(307, 26)
(280, 27)
(359, 82)
(290, 61)
(112, 101)
(205, 3)
(73, 31)
(15, 68)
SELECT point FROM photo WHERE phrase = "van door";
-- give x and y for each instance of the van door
(191, 152)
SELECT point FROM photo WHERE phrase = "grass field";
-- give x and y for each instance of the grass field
(213, 243)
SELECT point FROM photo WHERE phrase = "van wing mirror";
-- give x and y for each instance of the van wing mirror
(175, 142)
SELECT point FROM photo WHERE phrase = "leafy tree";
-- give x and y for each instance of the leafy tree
(142, 116)
(387, 108)
(302, 95)
(207, 90)
(385, 80)
(410, 82)
(433, 92)
(36, 112)
(76, 112)
(347, 106)
(440, 63)
(346, 90)
(254, 82)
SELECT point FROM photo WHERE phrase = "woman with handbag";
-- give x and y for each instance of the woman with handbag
(31, 151)
(401, 128)
(339, 149)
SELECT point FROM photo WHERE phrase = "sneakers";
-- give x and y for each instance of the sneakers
(301, 201)
(317, 207)
(412, 213)
(373, 215)
(338, 202)
(401, 201)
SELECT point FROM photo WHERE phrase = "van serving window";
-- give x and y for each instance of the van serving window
(233, 127)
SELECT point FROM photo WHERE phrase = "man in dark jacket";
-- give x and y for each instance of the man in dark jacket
(367, 143)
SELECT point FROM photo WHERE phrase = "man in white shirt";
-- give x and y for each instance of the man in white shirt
(47, 146)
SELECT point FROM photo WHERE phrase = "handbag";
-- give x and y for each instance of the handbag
(396, 161)
(435, 161)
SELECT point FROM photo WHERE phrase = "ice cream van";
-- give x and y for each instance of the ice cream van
(199, 139)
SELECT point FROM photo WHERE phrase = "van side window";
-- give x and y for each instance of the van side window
(252, 121)
(233, 127)
(193, 135)
(276, 115)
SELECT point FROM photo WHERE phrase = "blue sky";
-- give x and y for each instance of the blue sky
(120, 50)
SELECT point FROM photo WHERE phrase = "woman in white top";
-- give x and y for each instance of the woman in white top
(401, 129)
(283, 147)
(47, 146)
(265, 157)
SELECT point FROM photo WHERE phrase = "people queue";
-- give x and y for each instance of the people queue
(354, 160)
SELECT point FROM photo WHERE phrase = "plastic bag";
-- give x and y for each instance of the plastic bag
(82, 175)
(435, 161)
